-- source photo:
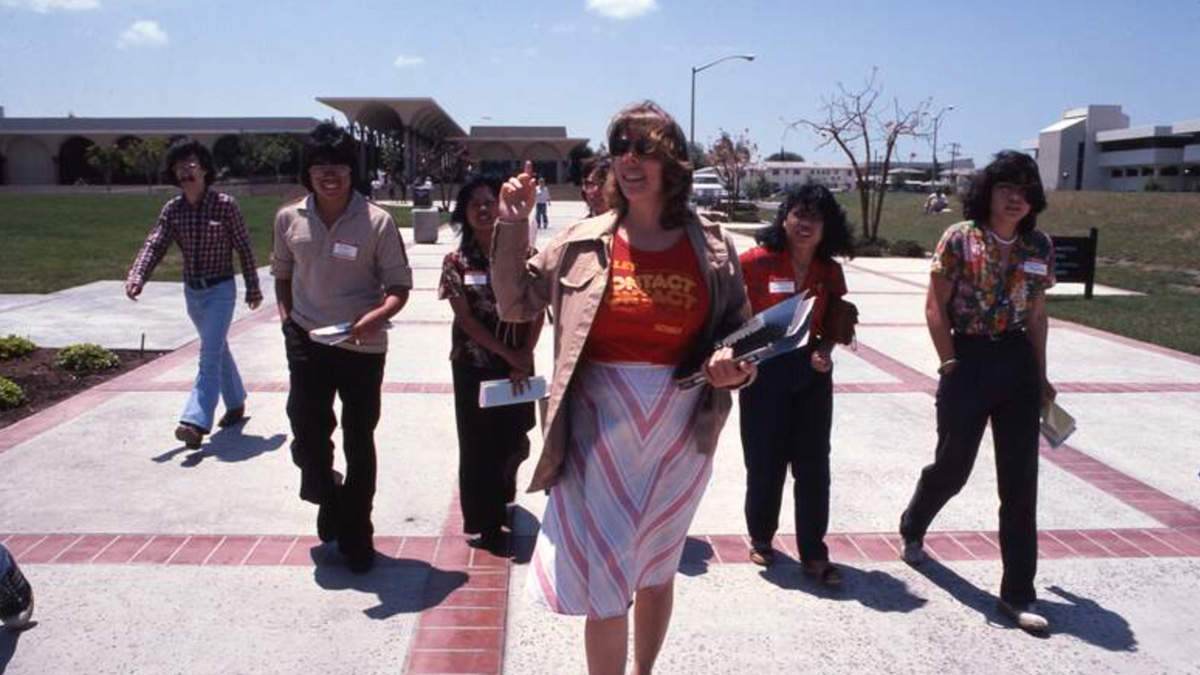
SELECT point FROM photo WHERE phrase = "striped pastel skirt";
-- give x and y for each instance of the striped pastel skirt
(617, 519)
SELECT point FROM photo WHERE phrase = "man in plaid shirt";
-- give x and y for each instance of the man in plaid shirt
(207, 225)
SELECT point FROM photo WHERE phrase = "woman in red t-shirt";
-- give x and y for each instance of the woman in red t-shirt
(639, 295)
(787, 413)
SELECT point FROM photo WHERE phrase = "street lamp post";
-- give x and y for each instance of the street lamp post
(695, 69)
(937, 120)
(953, 176)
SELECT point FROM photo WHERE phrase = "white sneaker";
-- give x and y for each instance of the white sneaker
(1026, 616)
(914, 553)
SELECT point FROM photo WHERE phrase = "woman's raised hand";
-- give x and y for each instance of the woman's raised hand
(517, 195)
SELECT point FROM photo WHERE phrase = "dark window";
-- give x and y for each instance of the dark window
(1129, 173)
(1192, 171)
(1147, 171)
(1169, 171)
(1117, 173)
(1079, 167)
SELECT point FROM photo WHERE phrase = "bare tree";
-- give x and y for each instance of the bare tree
(730, 157)
(445, 163)
(866, 129)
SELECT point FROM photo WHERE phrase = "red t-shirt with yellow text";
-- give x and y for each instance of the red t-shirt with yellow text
(654, 307)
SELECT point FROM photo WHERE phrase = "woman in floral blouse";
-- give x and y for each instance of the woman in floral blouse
(986, 312)
(492, 442)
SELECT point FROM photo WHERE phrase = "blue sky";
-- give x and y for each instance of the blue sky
(1009, 68)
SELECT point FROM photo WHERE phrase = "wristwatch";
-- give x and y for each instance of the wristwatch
(947, 366)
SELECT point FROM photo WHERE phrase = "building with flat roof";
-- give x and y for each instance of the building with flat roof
(50, 151)
(1094, 148)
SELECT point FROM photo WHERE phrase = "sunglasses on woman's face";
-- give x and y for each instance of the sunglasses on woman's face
(642, 147)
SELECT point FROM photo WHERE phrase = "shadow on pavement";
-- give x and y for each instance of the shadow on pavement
(1081, 617)
(873, 589)
(403, 586)
(8, 644)
(524, 527)
(227, 445)
(696, 554)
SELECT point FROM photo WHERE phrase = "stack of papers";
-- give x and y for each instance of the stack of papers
(494, 393)
(337, 333)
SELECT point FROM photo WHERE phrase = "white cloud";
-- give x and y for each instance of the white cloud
(143, 33)
(621, 9)
(403, 61)
(44, 6)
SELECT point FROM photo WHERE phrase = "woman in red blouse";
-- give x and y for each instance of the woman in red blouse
(492, 442)
(787, 413)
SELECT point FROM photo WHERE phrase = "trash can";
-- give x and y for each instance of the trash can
(425, 226)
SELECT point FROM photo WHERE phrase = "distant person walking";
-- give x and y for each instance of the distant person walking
(543, 204)
(207, 226)
(337, 259)
(986, 311)
(492, 442)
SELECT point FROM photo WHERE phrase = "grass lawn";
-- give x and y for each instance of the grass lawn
(55, 242)
(1149, 242)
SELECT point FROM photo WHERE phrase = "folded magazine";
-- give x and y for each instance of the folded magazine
(776, 330)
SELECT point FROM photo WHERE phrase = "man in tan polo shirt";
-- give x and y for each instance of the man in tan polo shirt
(337, 259)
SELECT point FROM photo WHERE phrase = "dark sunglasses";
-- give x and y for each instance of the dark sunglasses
(642, 147)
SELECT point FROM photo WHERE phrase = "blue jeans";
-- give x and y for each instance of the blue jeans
(211, 311)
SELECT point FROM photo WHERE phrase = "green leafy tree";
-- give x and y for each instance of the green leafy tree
(758, 187)
(577, 156)
(262, 152)
(146, 156)
(696, 156)
(107, 159)
(785, 157)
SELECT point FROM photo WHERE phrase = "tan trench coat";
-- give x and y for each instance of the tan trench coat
(570, 276)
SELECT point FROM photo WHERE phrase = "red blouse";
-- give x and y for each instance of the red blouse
(770, 280)
(654, 306)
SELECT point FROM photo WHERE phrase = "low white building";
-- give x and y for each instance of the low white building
(783, 175)
(1094, 148)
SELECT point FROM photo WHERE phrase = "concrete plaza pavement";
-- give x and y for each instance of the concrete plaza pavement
(150, 558)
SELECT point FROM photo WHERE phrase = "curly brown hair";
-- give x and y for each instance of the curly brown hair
(647, 120)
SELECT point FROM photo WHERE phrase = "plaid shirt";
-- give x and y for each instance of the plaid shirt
(206, 234)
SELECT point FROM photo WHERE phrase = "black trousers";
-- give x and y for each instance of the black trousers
(996, 381)
(492, 443)
(786, 417)
(317, 373)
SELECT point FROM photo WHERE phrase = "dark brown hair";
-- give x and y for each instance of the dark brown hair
(649, 121)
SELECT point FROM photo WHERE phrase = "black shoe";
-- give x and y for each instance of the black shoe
(232, 416)
(190, 434)
(328, 527)
(494, 542)
(361, 561)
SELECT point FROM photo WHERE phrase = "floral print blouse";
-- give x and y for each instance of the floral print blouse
(468, 275)
(986, 301)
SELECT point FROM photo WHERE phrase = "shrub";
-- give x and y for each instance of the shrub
(871, 248)
(906, 248)
(11, 395)
(1152, 185)
(12, 346)
(86, 357)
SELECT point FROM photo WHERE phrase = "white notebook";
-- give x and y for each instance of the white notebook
(494, 393)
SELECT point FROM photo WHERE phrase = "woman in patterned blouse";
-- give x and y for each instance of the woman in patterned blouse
(492, 442)
(986, 312)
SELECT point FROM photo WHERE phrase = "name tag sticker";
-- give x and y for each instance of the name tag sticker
(475, 278)
(781, 286)
(1037, 267)
(214, 223)
(344, 251)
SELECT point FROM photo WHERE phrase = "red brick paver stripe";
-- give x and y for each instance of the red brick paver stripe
(454, 661)
(49, 548)
(271, 550)
(123, 549)
(85, 548)
(195, 550)
(159, 549)
(232, 550)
